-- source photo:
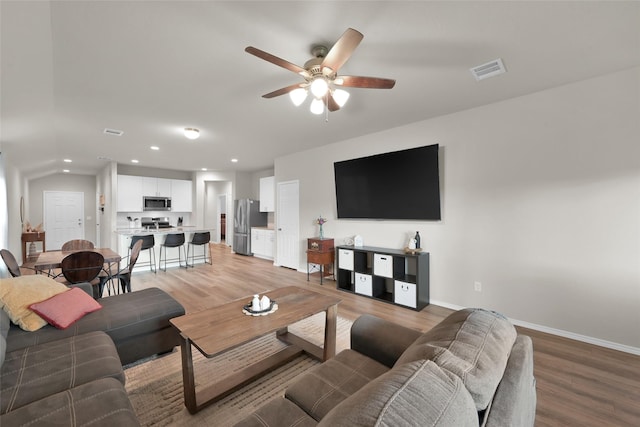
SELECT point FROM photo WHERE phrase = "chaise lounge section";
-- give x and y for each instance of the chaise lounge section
(74, 376)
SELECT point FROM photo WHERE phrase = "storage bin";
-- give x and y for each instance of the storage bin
(405, 293)
(363, 284)
(345, 259)
(383, 265)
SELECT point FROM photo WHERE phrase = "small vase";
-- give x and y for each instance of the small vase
(321, 233)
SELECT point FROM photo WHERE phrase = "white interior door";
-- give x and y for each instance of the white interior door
(288, 229)
(63, 217)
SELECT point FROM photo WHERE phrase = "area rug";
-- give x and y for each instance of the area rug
(155, 386)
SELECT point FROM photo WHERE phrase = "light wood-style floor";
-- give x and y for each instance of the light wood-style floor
(578, 384)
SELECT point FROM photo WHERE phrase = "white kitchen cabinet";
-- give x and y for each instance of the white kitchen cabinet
(160, 187)
(129, 193)
(267, 194)
(181, 195)
(263, 242)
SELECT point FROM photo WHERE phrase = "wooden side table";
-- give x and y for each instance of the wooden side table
(32, 237)
(321, 252)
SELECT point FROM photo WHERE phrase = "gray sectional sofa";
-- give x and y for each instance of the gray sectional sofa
(472, 369)
(74, 376)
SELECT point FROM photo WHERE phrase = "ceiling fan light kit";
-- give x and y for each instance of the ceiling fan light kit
(321, 75)
(191, 133)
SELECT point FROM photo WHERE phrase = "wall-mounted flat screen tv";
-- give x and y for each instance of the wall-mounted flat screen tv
(398, 185)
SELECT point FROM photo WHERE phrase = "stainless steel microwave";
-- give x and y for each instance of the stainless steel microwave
(155, 203)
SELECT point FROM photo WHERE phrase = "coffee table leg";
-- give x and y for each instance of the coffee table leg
(330, 332)
(188, 381)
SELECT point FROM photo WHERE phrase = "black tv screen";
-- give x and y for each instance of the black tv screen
(398, 185)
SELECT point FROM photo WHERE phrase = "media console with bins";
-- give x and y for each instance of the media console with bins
(385, 274)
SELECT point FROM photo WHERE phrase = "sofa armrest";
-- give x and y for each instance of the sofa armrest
(380, 339)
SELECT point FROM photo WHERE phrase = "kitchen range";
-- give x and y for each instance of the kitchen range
(150, 223)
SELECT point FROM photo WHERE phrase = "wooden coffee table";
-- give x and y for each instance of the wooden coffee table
(218, 329)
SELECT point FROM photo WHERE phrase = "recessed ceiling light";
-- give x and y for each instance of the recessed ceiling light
(67, 160)
(134, 161)
(203, 169)
(65, 170)
(191, 133)
(234, 160)
(155, 147)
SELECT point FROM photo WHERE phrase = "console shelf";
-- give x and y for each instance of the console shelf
(388, 275)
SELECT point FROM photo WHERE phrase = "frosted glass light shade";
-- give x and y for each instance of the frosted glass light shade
(191, 133)
(319, 87)
(298, 96)
(317, 106)
(340, 96)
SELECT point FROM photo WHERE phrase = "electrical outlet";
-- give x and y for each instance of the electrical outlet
(477, 286)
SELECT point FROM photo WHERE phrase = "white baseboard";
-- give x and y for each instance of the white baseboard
(558, 332)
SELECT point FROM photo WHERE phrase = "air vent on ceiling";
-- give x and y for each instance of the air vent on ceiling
(104, 158)
(114, 132)
(489, 69)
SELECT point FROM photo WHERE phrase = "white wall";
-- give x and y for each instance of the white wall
(64, 182)
(540, 203)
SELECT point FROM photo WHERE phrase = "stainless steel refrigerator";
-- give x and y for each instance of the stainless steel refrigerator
(246, 215)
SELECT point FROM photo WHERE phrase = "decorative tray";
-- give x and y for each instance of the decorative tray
(249, 312)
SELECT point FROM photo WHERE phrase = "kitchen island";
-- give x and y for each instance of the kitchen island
(124, 241)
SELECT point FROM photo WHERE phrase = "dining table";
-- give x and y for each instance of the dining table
(52, 260)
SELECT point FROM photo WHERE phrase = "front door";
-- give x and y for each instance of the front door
(288, 230)
(63, 217)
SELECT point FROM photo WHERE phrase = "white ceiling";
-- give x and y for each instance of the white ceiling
(72, 68)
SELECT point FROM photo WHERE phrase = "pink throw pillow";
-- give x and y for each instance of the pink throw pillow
(64, 309)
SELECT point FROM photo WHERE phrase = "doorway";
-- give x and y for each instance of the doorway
(222, 218)
(63, 217)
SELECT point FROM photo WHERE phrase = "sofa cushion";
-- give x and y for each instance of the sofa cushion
(100, 403)
(64, 309)
(328, 384)
(415, 394)
(36, 372)
(473, 344)
(18, 293)
(279, 412)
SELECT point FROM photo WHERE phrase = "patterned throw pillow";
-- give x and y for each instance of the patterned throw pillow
(64, 309)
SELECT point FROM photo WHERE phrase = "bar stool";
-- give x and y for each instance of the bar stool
(175, 240)
(148, 243)
(199, 239)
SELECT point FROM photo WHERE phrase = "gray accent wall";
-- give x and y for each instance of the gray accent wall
(540, 203)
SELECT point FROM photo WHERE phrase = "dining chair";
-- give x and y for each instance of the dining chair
(82, 266)
(124, 275)
(201, 238)
(77, 244)
(11, 263)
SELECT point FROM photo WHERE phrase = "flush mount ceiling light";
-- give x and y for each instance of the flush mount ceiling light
(191, 133)
(321, 75)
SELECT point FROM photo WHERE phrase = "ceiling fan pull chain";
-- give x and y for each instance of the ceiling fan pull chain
(326, 108)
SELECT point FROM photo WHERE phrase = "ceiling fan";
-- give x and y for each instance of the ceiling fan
(321, 74)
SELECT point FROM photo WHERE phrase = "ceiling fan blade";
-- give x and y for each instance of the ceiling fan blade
(282, 91)
(365, 82)
(332, 105)
(342, 50)
(275, 60)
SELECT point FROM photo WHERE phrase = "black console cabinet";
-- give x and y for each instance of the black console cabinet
(385, 274)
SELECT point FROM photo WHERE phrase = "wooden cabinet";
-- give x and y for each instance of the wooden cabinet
(129, 193)
(321, 252)
(181, 196)
(385, 274)
(267, 194)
